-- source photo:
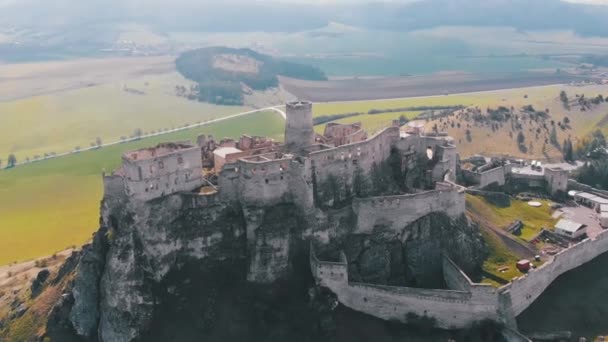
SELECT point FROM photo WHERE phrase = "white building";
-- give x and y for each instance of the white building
(570, 229)
(590, 200)
(604, 215)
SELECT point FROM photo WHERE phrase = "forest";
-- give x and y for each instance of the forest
(595, 171)
(221, 86)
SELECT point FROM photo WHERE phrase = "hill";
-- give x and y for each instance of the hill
(224, 75)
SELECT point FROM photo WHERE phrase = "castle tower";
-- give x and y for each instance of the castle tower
(299, 132)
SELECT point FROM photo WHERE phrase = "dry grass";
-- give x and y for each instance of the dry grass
(504, 141)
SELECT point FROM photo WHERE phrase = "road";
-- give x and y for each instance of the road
(209, 122)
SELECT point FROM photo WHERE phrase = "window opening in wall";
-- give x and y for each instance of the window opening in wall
(266, 180)
(180, 160)
(161, 165)
(140, 173)
(151, 168)
(365, 299)
(281, 177)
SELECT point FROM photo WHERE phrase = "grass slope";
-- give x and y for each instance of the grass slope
(50, 205)
(501, 256)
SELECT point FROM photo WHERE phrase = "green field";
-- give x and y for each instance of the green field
(53, 204)
(371, 122)
(533, 218)
(58, 122)
(500, 255)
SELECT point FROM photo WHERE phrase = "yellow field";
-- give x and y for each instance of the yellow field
(372, 123)
(53, 204)
(484, 140)
(58, 122)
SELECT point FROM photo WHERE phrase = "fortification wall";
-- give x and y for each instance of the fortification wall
(574, 185)
(525, 290)
(344, 160)
(485, 178)
(113, 186)
(228, 183)
(264, 183)
(450, 308)
(397, 212)
(147, 179)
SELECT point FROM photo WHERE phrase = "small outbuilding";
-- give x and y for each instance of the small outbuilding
(523, 265)
(570, 229)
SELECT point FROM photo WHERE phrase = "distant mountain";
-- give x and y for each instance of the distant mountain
(520, 14)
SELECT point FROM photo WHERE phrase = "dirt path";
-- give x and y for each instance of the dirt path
(521, 249)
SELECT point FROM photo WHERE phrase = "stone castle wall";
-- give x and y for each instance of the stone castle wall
(344, 160)
(450, 308)
(147, 179)
(467, 303)
(525, 290)
(266, 183)
(574, 185)
(485, 178)
(397, 212)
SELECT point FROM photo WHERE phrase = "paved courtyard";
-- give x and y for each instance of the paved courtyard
(584, 215)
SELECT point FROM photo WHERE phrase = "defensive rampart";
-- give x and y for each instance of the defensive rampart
(448, 308)
(525, 290)
(485, 178)
(467, 302)
(397, 212)
(344, 160)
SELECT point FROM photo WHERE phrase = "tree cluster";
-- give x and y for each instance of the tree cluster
(220, 86)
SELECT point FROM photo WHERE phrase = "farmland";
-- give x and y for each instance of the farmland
(427, 85)
(57, 106)
(49, 205)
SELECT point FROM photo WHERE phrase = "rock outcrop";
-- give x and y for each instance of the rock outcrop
(126, 276)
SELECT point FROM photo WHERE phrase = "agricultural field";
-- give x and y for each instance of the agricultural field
(50, 205)
(421, 85)
(55, 111)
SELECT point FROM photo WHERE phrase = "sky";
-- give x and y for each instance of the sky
(11, 2)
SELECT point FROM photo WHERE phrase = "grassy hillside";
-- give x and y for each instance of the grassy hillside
(50, 205)
(503, 139)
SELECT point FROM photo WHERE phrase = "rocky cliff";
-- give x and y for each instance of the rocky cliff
(164, 268)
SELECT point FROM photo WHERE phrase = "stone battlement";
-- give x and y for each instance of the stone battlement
(450, 308)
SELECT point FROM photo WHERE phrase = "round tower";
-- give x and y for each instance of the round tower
(299, 132)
